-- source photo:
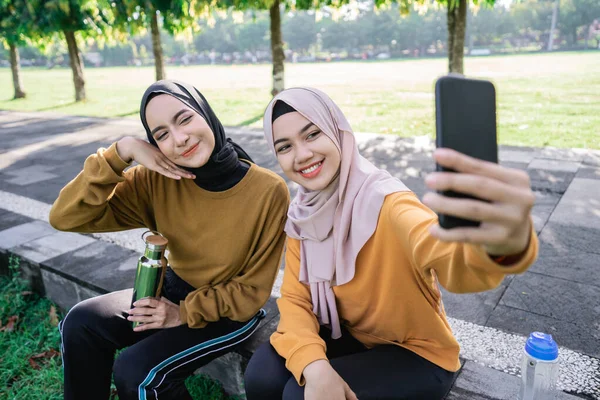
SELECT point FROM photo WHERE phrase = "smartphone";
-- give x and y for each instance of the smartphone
(465, 112)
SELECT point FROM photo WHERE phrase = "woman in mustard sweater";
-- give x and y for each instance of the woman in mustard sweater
(361, 310)
(194, 186)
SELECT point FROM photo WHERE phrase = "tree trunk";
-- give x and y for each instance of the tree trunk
(277, 49)
(457, 23)
(76, 66)
(159, 63)
(15, 66)
(553, 26)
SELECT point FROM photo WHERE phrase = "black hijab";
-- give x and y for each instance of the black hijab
(224, 168)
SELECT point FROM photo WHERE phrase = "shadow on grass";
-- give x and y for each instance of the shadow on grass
(128, 113)
(54, 107)
(250, 121)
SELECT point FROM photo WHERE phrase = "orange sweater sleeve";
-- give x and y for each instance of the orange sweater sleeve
(103, 198)
(460, 267)
(297, 337)
(242, 296)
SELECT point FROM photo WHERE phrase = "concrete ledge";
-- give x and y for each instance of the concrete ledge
(68, 268)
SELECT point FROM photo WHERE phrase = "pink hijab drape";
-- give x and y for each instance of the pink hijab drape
(335, 223)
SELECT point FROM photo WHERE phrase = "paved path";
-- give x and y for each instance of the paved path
(560, 294)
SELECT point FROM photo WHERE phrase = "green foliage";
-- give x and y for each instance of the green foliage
(576, 14)
(202, 387)
(93, 18)
(134, 16)
(30, 362)
(225, 35)
(17, 22)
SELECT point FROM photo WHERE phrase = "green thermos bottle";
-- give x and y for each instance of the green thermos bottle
(151, 268)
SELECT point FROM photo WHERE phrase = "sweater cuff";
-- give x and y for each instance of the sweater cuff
(111, 155)
(477, 256)
(302, 357)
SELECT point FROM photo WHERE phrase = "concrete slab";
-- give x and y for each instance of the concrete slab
(24, 233)
(550, 181)
(555, 153)
(51, 246)
(575, 266)
(474, 307)
(45, 191)
(30, 175)
(592, 158)
(580, 205)
(554, 165)
(100, 266)
(520, 156)
(555, 298)
(571, 238)
(518, 165)
(476, 382)
(545, 203)
(580, 336)
(588, 173)
(31, 208)
(64, 292)
(9, 219)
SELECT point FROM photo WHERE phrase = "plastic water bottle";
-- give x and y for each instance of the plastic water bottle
(539, 368)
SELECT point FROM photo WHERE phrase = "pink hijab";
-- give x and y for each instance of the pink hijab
(332, 224)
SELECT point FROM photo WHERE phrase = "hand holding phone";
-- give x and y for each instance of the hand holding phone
(465, 122)
(477, 200)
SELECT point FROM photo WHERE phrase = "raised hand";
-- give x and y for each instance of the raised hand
(130, 148)
(505, 220)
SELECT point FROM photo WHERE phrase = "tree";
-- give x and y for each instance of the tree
(456, 21)
(277, 49)
(137, 15)
(274, 7)
(88, 18)
(575, 14)
(15, 25)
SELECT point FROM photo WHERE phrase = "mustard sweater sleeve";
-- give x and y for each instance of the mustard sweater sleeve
(241, 297)
(460, 268)
(297, 337)
(102, 198)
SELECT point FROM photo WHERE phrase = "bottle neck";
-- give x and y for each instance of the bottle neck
(154, 253)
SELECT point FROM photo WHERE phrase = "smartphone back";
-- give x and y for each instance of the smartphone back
(465, 122)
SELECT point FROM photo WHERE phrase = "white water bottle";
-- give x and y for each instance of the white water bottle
(539, 368)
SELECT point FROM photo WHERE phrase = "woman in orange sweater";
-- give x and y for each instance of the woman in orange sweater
(361, 310)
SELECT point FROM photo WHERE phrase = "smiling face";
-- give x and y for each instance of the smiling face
(180, 132)
(306, 155)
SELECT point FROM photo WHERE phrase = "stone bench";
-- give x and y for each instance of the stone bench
(68, 268)
(229, 369)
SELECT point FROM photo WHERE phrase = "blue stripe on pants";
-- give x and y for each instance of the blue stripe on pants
(252, 324)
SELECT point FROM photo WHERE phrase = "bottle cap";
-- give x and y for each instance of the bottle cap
(541, 346)
(156, 241)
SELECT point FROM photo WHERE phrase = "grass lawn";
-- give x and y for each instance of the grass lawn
(30, 362)
(543, 99)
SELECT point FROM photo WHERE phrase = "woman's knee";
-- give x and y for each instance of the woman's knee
(293, 391)
(265, 375)
(79, 320)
